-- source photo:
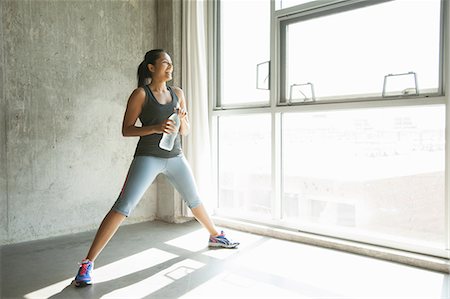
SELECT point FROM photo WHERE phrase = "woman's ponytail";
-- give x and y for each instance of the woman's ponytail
(143, 74)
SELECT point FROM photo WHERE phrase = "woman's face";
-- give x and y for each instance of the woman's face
(163, 68)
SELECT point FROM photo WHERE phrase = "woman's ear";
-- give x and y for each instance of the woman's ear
(151, 67)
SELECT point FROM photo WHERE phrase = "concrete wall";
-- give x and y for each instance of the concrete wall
(169, 205)
(67, 70)
(3, 177)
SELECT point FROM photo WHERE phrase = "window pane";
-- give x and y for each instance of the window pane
(245, 165)
(280, 4)
(348, 53)
(372, 172)
(245, 41)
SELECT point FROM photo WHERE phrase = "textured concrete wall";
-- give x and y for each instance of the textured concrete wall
(68, 69)
(169, 207)
(3, 175)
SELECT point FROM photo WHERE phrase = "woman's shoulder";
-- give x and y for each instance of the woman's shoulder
(139, 91)
(178, 91)
(138, 95)
(176, 88)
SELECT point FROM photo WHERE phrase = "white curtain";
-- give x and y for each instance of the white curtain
(195, 85)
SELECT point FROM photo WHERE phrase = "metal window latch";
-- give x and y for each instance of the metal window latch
(305, 98)
(407, 90)
(263, 75)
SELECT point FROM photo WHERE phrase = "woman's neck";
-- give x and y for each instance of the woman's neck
(158, 86)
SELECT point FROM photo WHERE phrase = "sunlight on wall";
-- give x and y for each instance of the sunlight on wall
(131, 264)
(163, 278)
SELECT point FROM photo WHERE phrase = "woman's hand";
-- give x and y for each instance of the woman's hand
(167, 126)
(182, 113)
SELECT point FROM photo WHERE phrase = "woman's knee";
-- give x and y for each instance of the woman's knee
(192, 204)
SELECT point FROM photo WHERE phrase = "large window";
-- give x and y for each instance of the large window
(245, 166)
(350, 140)
(245, 44)
(347, 53)
(374, 172)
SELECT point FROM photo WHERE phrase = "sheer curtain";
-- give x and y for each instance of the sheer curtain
(195, 85)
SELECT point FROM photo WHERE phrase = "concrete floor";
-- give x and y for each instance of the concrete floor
(160, 260)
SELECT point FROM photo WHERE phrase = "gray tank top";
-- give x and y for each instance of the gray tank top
(155, 113)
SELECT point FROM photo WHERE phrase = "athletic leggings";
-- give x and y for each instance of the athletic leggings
(142, 173)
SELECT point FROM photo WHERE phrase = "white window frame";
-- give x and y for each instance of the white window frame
(306, 11)
(276, 109)
(216, 59)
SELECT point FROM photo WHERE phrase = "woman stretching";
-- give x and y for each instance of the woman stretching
(153, 104)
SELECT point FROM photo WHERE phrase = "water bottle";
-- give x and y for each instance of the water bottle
(168, 140)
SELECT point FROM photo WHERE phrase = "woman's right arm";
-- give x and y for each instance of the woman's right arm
(134, 109)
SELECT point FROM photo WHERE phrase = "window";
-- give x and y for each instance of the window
(245, 165)
(245, 44)
(376, 172)
(281, 4)
(346, 54)
(351, 140)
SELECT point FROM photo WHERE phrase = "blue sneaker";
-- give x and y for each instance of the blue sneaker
(83, 277)
(222, 241)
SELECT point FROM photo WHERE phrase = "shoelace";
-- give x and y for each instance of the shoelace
(224, 238)
(84, 268)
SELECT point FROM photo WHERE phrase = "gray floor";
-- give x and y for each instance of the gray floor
(160, 260)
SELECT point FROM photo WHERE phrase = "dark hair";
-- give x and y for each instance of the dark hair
(143, 74)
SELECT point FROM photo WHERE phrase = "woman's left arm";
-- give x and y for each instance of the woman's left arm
(182, 112)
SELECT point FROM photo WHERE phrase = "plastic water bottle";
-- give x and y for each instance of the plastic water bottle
(168, 140)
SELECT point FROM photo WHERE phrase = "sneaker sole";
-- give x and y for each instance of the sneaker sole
(215, 245)
(81, 284)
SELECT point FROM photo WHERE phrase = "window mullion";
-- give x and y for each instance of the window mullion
(276, 167)
(276, 117)
(445, 83)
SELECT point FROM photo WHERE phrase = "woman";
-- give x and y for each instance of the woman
(153, 104)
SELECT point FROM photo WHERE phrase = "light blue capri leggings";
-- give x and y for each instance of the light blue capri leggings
(142, 173)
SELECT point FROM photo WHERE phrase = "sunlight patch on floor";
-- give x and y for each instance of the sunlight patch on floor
(194, 241)
(247, 241)
(158, 281)
(131, 264)
(50, 290)
(355, 276)
(234, 285)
